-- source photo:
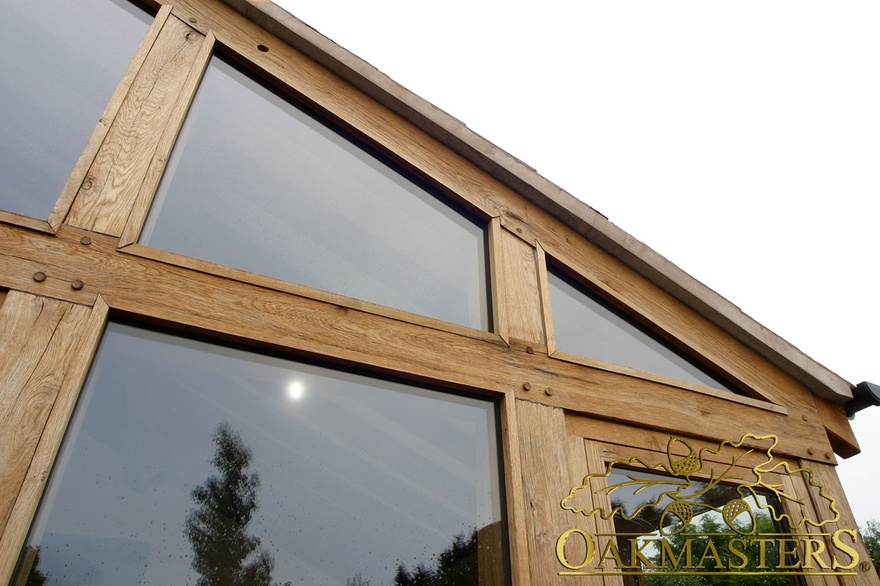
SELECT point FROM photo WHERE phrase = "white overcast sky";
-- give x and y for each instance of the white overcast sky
(741, 140)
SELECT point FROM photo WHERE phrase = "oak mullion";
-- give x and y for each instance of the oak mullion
(35, 423)
(555, 462)
(516, 289)
(74, 181)
(108, 192)
(165, 145)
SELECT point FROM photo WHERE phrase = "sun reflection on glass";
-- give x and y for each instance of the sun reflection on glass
(295, 391)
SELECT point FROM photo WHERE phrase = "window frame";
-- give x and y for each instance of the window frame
(77, 176)
(635, 320)
(211, 48)
(662, 318)
(71, 416)
(606, 442)
(89, 266)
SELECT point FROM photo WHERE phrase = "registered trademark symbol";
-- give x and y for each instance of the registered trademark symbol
(865, 567)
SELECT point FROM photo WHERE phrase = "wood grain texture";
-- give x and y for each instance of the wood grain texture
(109, 190)
(517, 296)
(499, 320)
(836, 423)
(827, 476)
(553, 462)
(306, 324)
(617, 441)
(29, 323)
(513, 479)
(74, 181)
(795, 485)
(165, 144)
(25, 222)
(302, 290)
(672, 410)
(46, 348)
(604, 527)
(20, 268)
(544, 292)
(666, 380)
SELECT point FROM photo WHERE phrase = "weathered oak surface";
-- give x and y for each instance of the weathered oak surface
(46, 347)
(238, 310)
(561, 415)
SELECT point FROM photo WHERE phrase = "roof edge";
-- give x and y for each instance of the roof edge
(525, 180)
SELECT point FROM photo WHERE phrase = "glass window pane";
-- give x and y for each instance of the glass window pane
(586, 327)
(318, 476)
(700, 513)
(257, 184)
(61, 62)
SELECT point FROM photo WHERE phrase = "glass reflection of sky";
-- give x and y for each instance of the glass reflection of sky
(633, 493)
(256, 184)
(583, 326)
(358, 475)
(61, 62)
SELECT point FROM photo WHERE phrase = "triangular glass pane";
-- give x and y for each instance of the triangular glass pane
(582, 325)
(257, 183)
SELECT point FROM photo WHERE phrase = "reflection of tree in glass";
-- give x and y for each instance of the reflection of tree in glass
(709, 524)
(224, 554)
(357, 580)
(456, 565)
(645, 521)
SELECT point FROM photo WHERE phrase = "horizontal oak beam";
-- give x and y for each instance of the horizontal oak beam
(258, 315)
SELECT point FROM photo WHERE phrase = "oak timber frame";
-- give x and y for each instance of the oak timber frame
(560, 413)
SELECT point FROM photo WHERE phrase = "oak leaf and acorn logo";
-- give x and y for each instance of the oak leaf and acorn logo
(684, 493)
